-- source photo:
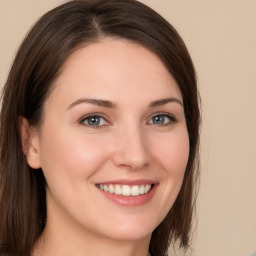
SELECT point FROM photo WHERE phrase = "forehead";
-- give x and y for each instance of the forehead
(112, 68)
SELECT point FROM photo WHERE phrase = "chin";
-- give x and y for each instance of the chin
(131, 234)
(131, 230)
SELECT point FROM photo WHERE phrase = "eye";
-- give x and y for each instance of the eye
(94, 121)
(162, 119)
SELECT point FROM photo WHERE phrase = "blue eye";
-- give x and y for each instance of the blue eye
(162, 119)
(94, 121)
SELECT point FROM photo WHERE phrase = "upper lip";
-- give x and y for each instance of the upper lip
(129, 182)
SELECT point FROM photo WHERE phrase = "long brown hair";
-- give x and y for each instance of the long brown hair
(37, 65)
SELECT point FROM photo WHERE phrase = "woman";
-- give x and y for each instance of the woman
(99, 135)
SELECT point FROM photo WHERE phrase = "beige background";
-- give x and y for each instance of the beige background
(221, 37)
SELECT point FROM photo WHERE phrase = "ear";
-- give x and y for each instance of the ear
(30, 143)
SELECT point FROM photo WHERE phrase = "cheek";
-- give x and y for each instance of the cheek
(67, 157)
(171, 153)
(174, 153)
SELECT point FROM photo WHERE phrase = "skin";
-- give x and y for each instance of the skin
(126, 144)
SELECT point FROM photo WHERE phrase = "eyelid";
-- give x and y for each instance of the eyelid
(99, 115)
(172, 118)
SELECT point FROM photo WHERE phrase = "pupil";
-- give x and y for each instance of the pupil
(94, 121)
(158, 120)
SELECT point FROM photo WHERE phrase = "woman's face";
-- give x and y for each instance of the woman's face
(113, 128)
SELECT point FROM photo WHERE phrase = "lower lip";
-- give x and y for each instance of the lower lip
(130, 200)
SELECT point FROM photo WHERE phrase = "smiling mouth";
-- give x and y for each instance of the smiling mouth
(125, 190)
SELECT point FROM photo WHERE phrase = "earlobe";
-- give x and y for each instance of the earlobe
(30, 145)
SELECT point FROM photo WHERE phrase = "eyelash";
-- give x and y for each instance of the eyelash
(171, 118)
(171, 121)
(95, 115)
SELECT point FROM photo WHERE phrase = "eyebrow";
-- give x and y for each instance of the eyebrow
(109, 104)
(164, 101)
(98, 102)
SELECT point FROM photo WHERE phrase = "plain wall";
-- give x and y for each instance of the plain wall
(221, 37)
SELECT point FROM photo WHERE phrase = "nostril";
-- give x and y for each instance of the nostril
(131, 148)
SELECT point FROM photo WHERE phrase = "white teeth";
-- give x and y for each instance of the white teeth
(135, 191)
(126, 190)
(147, 188)
(111, 189)
(118, 190)
(142, 190)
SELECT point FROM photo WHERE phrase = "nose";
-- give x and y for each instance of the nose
(131, 149)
